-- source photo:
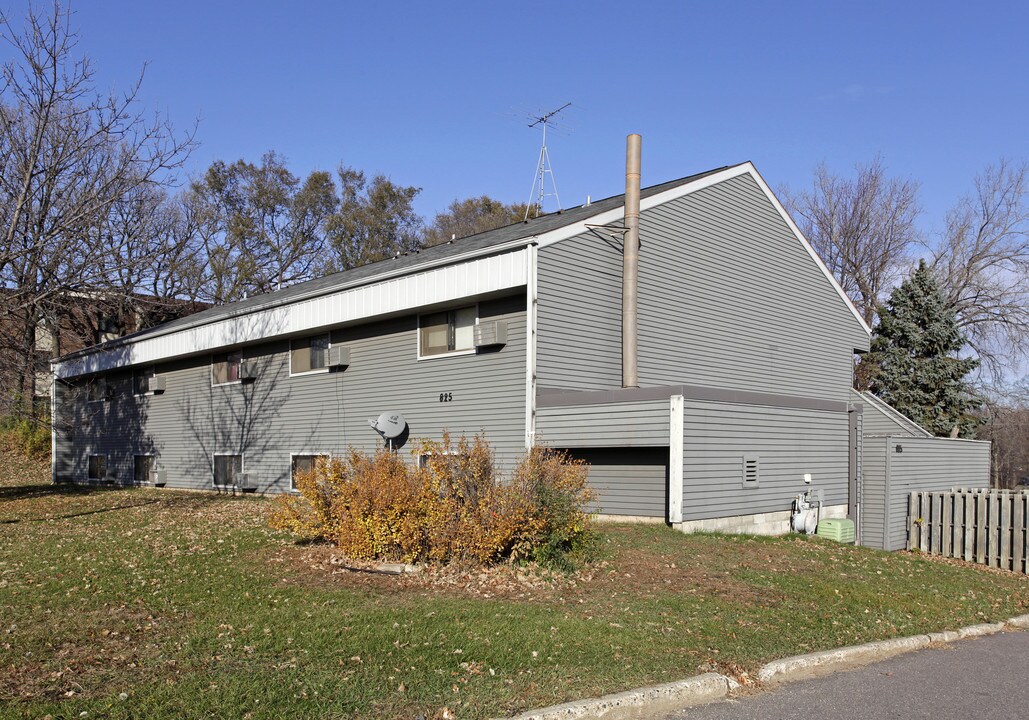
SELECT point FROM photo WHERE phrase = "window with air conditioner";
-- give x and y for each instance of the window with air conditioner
(304, 464)
(141, 380)
(310, 354)
(144, 469)
(228, 470)
(225, 367)
(447, 332)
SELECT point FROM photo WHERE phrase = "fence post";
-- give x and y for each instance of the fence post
(1005, 530)
(913, 518)
(1018, 535)
(925, 512)
(969, 526)
(980, 528)
(947, 524)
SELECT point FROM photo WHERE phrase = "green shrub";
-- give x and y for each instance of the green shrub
(26, 436)
(454, 508)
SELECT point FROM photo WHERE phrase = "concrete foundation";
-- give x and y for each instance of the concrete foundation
(773, 523)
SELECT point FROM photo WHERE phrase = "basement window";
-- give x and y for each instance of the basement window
(310, 354)
(450, 331)
(225, 367)
(751, 471)
(97, 467)
(304, 464)
(228, 470)
(144, 469)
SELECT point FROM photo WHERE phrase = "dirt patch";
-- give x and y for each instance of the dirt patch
(640, 572)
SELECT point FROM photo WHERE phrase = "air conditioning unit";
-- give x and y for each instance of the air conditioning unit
(491, 333)
(155, 384)
(160, 478)
(248, 370)
(245, 485)
(339, 356)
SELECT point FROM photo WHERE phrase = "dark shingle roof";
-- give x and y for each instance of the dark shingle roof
(409, 262)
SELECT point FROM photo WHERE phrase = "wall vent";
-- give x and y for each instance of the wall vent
(751, 471)
(339, 357)
(490, 333)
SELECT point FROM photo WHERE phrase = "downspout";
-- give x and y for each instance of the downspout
(631, 262)
(53, 423)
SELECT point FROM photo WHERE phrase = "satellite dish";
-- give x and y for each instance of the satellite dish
(390, 424)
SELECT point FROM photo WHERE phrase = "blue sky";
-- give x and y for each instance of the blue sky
(435, 94)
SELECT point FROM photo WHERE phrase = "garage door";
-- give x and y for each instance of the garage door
(627, 481)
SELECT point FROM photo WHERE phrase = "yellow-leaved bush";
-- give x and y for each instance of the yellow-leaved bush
(452, 507)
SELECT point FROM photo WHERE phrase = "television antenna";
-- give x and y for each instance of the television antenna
(543, 168)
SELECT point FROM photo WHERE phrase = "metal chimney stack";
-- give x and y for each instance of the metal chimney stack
(631, 261)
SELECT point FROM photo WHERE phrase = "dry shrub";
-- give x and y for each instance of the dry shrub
(453, 508)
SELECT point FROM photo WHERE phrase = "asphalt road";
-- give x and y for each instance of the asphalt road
(985, 678)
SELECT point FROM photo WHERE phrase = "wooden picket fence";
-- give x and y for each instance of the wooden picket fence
(980, 525)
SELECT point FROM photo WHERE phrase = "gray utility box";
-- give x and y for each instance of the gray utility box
(491, 333)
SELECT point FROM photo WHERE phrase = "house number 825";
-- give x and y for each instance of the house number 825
(446, 397)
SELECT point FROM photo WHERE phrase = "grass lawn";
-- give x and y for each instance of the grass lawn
(153, 603)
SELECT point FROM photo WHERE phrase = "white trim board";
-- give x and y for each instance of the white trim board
(443, 284)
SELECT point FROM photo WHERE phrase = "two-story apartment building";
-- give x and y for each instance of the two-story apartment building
(743, 351)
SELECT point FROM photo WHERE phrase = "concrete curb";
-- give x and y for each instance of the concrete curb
(709, 687)
(819, 663)
(642, 703)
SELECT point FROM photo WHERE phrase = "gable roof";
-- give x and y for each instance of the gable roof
(513, 235)
(486, 262)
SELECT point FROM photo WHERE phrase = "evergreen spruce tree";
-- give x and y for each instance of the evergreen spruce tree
(914, 363)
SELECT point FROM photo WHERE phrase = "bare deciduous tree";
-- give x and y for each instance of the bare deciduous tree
(862, 228)
(1007, 426)
(982, 263)
(71, 161)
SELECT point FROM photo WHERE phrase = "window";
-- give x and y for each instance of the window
(304, 464)
(225, 367)
(141, 380)
(97, 467)
(446, 332)
(309, 354)
(145, 468)
(96, 390)
(228, 470)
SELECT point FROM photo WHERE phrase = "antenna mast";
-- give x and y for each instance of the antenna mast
(543, 168)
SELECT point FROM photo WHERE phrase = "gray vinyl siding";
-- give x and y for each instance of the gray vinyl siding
(729, 297)
(277, 415)
(629, 481)
(626, 424)
(930, 464)
(789, 442)
(873, 491)
(579, 314)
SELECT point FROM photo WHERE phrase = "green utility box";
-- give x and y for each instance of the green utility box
(837, 529)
